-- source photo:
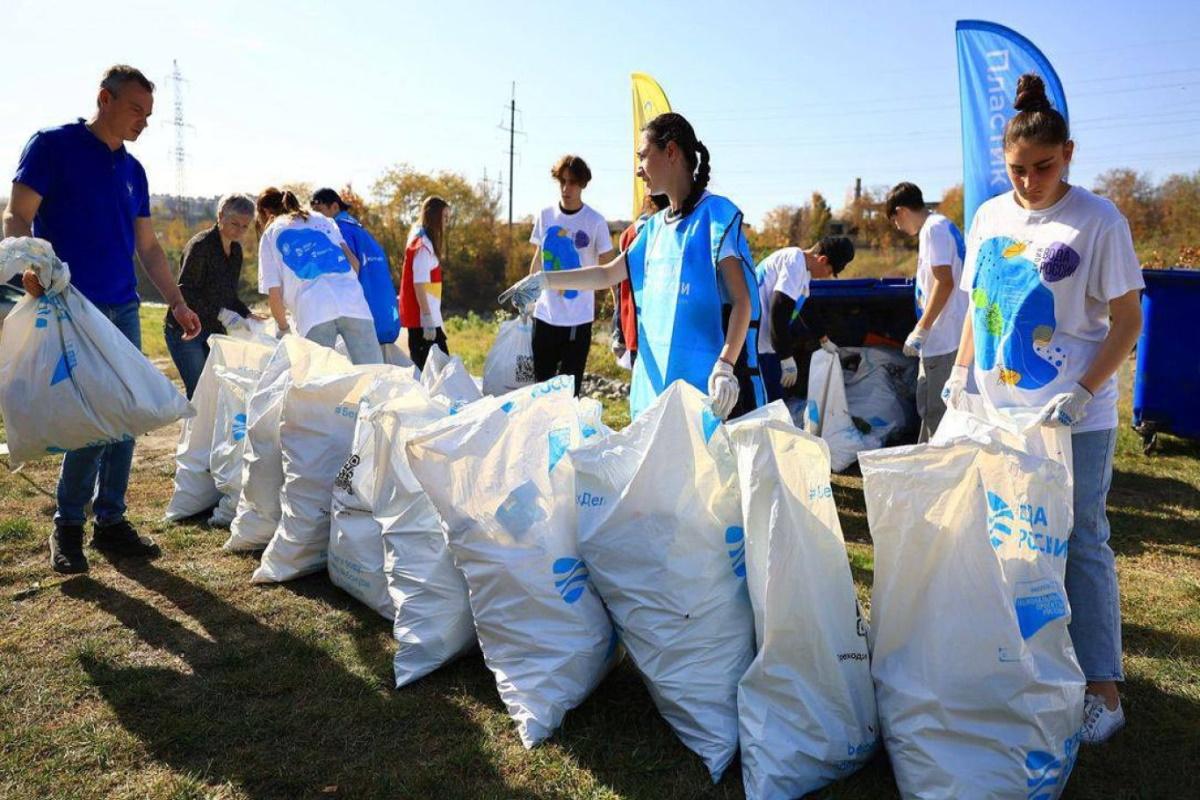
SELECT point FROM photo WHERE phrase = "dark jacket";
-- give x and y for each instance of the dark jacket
(209, 280)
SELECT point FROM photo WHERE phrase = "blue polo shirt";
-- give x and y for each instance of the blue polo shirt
(91, 196)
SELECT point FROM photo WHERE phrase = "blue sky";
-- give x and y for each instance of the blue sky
(789, 97)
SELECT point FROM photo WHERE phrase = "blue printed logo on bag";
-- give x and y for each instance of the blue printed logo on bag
(735, 538)
(574, 578)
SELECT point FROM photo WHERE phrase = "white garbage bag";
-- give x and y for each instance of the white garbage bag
(1015, 427)
(979, 691)
(397, 357)
(509, 364)
(195, 490)
(660, 529)
(880, 393)
(259, 508)
(806, 706)
(503, 487)
(234, 387)
(68, 378)
(316, 432)
(355, 537)
(827, 413)
(447, 376)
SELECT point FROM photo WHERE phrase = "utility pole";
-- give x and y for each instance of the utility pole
(512, 134)
(178, 152)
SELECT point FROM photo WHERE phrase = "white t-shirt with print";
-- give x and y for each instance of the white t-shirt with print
(304, 257)
(786, 272)
(1039, 284)
(938, 246)
(592, 240)
(423, 265)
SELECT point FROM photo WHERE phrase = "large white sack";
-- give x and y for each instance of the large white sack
(827, 414)
(259, 510)
(355, 555)
(234, 387)
(1016, 427)
(503, 487)
(69, 379)
(979, 691)
(881, 393)
(316, 432)
(448, 377)
(195, 490)
(806, 706)
(509, 364)
(660, 529)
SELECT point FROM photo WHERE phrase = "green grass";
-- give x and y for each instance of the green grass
(178, 679)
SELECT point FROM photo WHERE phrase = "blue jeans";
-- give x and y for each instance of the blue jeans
(101, 473)
(189, 357)
(772, 373)
(358, 334)
(1091, 567)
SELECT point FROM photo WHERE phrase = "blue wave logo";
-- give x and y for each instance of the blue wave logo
(735, 538)
(1000, 520)
(310, 254)
(574, 578)
(1046, 773)
(238, 428)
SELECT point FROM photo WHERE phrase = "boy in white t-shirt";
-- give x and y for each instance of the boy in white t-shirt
(940, 250)
(562, 320)
(783, 286)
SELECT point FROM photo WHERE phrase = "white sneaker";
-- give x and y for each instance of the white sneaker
(1099, 722)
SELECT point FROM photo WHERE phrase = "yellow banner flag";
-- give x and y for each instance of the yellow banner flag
(649, 101)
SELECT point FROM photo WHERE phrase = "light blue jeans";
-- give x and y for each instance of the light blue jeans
(101, 473)
(1091, 567)
(358, 334)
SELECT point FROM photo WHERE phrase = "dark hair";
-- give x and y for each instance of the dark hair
(431, 222)
(660, 201)
(326, 196)
(120, 75)
(1036, 120)
(839, 251)
(904, 195)
(273, 202)
(574, 166)
(672, 127)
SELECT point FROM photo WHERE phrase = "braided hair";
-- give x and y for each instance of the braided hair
(673, 127)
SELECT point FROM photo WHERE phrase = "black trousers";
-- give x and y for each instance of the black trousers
(560, 350)
(418, 345)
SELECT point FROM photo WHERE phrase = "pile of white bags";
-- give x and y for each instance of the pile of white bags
(502, 484)
(509, 364)
(234, 387)
(827, 414)
(660, 529)
(979, 691)
(195, 490)
(806, 706)
(259, 509)
(68, 378)
(447, 376)
(316, 433)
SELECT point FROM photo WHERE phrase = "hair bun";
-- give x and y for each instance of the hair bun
(1031, 94)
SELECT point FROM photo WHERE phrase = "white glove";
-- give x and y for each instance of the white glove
(231, 319)
(828, 346)
(788, 377)
(429, 333)
(524, 293)
(914, 342)
(722, 388)
(955, 386)
(1067, 408)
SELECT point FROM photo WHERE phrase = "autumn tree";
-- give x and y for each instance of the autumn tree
(951, 206)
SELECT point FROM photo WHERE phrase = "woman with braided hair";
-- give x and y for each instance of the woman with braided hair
(692, 277)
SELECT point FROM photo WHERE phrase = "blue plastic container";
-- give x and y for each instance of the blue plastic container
(1166, 383)
(855, 308)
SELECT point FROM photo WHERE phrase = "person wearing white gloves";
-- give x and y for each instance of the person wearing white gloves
(934, 340)
(692, 277)
(783, 280)
(1054, 287)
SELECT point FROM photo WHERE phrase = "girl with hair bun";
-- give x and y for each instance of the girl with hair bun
(1054, 311)
(692, 277)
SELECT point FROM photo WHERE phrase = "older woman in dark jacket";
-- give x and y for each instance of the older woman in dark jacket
(208, 278)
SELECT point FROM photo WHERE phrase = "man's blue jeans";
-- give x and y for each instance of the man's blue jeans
(99, 474)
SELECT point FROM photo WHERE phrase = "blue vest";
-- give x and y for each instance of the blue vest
(374, 275)
(682, 303)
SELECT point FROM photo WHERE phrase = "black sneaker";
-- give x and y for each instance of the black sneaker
(120, 539)
(66, 550)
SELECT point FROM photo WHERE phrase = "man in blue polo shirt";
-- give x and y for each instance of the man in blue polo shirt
(78, 187)
(374, 273)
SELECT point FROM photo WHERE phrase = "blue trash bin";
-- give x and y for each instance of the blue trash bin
(1166, 383)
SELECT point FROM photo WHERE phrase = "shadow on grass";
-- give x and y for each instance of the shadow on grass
(1140, 510)
(277, 714)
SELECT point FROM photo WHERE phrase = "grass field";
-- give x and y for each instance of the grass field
(178, 679)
